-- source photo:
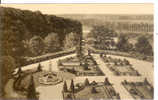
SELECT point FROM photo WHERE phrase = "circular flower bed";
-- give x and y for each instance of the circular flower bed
(49, 78)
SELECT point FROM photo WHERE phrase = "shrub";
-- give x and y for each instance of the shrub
(65, 87)
(93, 90)
(7, 67)
(86, 83)
(143, 46)
(123, 44)
(72, 88)
(39, 68)
(31, 92)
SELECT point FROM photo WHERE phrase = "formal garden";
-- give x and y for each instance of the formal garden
(86, 66)
(26, 82)
(89, 90)
(39, 61)
(139, 90)
(118, 66)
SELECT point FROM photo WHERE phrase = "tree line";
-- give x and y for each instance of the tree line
(104, 37)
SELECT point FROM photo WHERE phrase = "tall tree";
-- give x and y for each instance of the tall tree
(52, 42)
(37, 45)
(65, 87)
(70, 40)
(85, 66)
(101, 32)
(106, 81)
(143, 46)
(19, 70)
(11, 44)
(93, 90)
(31, 92)
(7, 67)
(86, 82)
(123, 43)
(72, 88)
(39, 68)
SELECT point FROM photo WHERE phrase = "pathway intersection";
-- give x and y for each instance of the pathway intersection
(55, 91)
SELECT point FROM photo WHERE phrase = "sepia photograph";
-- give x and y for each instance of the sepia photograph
(77, 51)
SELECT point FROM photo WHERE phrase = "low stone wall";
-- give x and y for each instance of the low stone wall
(48, 56)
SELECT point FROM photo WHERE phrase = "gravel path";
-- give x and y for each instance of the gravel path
(144, 68)
(54, 92)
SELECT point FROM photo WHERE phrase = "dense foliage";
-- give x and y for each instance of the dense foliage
(37, 45)
(104, 37)
(123, 43)
(19, 26)
(101, 31)
(52, 43)
(7, 67)
(65, 87)
(25, 33)
(31, 92)
(143, 46)
(72, 87)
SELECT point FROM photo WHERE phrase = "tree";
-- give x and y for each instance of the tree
(94, 83)
(31, 92)
(85, 66)
(143, 46)
(86, 82)
(59, 63)
(93, 90)
(101, 31)
(52, 42)
(69, 97)
(101, 54)
(72, 88)
(125, 82)
(106, 82)
(103, 36)
(123, 44)
(126, 62)
(89, 53)
(37, 45)
(146, 81)
(65, 87)
(39, 68)
(7, 67)
(115, 63)
(19, 70)
(70, 40)
(73, 70)
(11, 44)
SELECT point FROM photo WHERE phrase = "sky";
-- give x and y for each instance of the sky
(124, 8)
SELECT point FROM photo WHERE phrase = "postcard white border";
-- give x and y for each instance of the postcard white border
(110, 1)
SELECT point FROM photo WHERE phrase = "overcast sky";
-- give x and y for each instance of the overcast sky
(87, 8)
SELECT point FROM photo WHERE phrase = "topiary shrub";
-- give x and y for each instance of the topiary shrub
(86, 83)
(39, 68)
(93, 90)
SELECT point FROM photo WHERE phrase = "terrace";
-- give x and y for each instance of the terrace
(139, 90)
(86, 67)
(93, 90)
(118, 66)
